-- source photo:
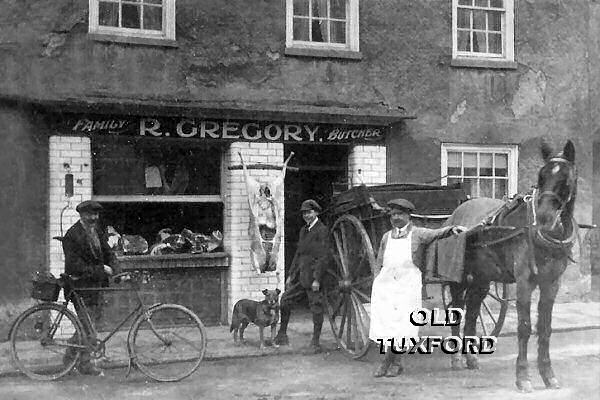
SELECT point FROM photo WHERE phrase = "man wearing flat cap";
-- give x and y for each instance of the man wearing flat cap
(89, 261)
(306, 274)
(396, 289)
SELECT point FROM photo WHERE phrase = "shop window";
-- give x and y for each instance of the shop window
(150, 19)
(485, 171)
(483, 30)
(321, 25)
(151, 186)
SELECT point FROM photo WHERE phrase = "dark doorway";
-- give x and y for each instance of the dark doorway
(320, 169)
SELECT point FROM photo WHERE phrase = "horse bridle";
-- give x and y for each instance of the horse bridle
(533, 201)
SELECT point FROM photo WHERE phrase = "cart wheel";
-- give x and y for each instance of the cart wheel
(350, 280)
(493, 308)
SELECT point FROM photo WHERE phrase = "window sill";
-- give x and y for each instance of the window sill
(483, 63)
(323, 53)
(113, 38)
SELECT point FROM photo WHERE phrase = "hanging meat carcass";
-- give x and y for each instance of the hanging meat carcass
(266, 218)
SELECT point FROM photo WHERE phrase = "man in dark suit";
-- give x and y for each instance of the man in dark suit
(90, 262)
(306, 274)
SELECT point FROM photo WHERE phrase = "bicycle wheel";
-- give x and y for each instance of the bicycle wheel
(168, 342)
(44, 340)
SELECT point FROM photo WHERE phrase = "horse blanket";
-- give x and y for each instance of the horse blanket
(446, 257)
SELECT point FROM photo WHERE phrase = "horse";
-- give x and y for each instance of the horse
(526, 240)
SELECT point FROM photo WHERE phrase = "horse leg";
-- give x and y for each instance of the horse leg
(457, 292)
(524, 289)
(544, 330)
(475, 296)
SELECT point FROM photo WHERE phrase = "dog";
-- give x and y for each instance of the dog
(261, 313)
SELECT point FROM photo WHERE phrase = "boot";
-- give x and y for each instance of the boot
(396, 367)
(86, 367)
(382, 369)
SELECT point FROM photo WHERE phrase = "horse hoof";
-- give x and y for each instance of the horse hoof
(456, 363)
(524, 386)
(552, 383)
(472, 362)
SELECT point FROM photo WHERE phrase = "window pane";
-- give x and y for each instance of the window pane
(501, 165)
(497, 3)
(131, 16)
(495, 21)
(465, 2)
(338, 32)
(153, 1)
(479, 19)
(108, 14)
(486, 187)
(319, 8)
(495, 43)
(338, 9)
(479, 42)
(452, 181)
(501, 188)
(481, 3)
(301, 7)
(470, 164)
(471, 186)
(454, 162)
(153, 18)
(301, 29)
(464, 41)
(463, 18)
(485, 164)
(319, 30)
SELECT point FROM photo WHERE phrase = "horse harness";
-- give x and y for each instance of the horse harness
(534, 236)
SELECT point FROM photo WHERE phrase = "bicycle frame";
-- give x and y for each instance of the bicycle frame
(73, 295)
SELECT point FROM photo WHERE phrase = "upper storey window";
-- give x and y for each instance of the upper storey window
(153, 19)
(322, 24)
(483, 29)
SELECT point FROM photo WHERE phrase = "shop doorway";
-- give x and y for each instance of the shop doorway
(321, 169)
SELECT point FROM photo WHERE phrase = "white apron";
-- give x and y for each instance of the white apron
(396, 293)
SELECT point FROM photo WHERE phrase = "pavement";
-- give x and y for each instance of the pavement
(566, 317)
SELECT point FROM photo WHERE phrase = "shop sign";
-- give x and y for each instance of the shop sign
(204, 129)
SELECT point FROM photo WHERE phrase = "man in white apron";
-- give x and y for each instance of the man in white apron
(397, 286)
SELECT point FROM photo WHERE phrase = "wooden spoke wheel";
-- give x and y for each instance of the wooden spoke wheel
(348, 285)
(493, 308)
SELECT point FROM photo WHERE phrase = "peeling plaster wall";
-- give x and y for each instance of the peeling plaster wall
(23, 201)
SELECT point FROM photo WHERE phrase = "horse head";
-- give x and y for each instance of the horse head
(556, 191)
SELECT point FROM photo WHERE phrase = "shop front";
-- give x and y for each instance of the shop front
(175, 201)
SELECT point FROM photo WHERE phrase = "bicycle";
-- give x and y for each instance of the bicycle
(166, 342)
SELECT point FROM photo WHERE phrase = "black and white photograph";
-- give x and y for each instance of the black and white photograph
(299, 199)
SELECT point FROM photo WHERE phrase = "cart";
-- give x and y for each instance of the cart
(357, 222)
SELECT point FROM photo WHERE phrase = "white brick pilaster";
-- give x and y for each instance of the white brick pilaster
(67, 154)
(244, 281)
(367, 164)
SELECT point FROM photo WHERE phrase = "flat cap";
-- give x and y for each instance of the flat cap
(88, 206)
(402, 204)
(310, 204)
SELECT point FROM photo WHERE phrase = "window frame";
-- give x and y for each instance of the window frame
(508, 36)
(512, 163)
(168, 24)
(352, 31)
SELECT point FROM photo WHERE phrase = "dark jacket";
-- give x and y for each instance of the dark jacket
(82, 263)
(312, 255)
